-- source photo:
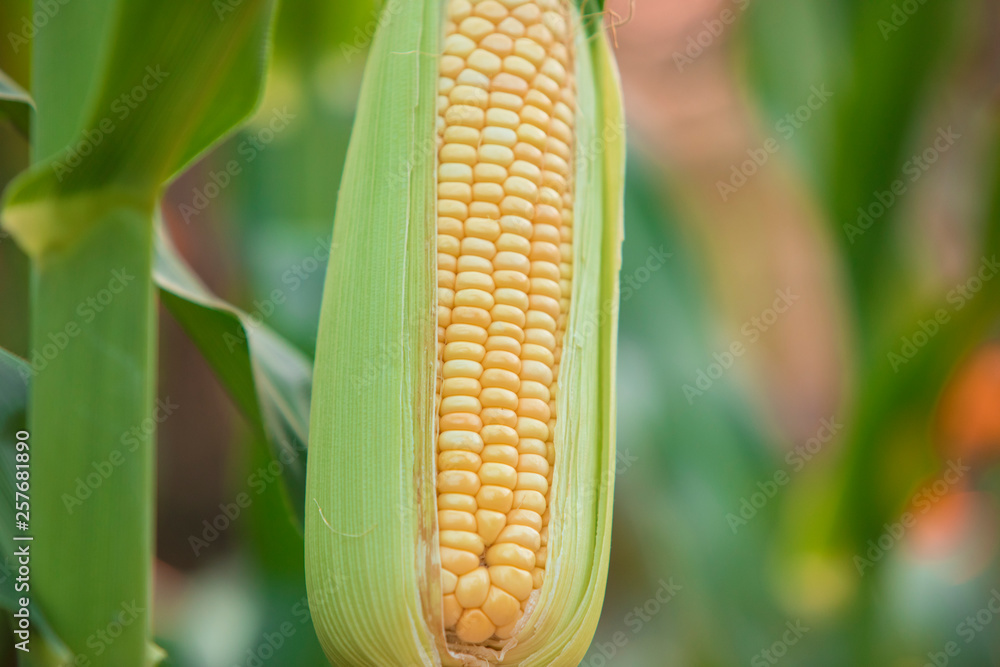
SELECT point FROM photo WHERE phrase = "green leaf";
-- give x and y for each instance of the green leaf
(269, 379)
(15, 103)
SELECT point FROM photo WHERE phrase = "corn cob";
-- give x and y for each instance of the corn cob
(460, 503)
(505, 214)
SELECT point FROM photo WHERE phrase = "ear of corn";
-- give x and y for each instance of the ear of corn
(459, 495)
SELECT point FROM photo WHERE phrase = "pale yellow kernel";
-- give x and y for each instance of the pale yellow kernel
(513, 243)
(473, 77)
(506, 343)
(531, 389)
(457, 501)
(519, 66)
(463, 350)
(501, 607)
(501, 454)
(469, 95)
(539, 320)
(448, 582)
(458, 191)
(489, 524)
(530, 172)
(497, 397)
(513, 580)
(448, 244)
(527, 152)
(530, 50)
(516, 224)
(462, 135)
(460, 404)
(474, 627)
(540, 33)
(459, 460)
(497, 117)
(460, 440)
(511, 26)
(466, 332)
(458, 45)
(451, 66)
(482, 209)
(496, 434)
(505, 82)
(508, 314)
(506, 101)
(496, 154)
(503, 136)
(529, 499)
(506, 329)
(526, 132)
(555, 22)
(488, 192)
(519, 186)
(485, 62)
(496, 498)
(458, 10)
(533, 408)
(461, 540)
(456, 520)
(474, 264)
(498, 474)
(451, 608)
(498, 43)
(479, 317)
(540, 100)
(545, 304)
(529, 481)
(510, 554)
(537, 577)
(476, 299)
(452, 208)
(527, 13)
(458, 481)
(542, 556)
(474, 280)
(473, 587)
(465, 115)
(458, 561)
(513, 205)
(529, 113)
(500, 416)
(475, 28)
(482, 228)
(480, 248)
(491, 173)
(521, 517)
(524, 536)
(461, 368)
(500, 359)
(546, 270)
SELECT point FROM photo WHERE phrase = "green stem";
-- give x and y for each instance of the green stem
(93, 361)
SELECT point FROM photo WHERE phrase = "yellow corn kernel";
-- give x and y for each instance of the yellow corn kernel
(513, 304)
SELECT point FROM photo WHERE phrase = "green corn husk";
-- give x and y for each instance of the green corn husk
(372, 563)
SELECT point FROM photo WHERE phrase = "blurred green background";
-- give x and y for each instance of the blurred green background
(809, 380)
